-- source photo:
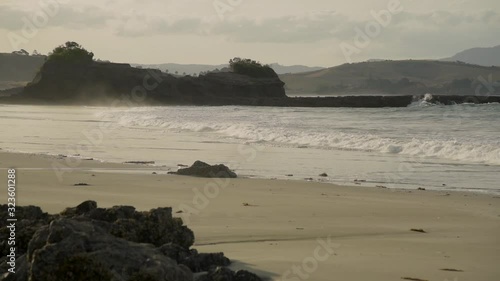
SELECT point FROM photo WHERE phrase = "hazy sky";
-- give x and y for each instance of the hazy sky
(309, 32)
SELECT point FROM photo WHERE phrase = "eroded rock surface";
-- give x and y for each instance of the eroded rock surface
(117, 244)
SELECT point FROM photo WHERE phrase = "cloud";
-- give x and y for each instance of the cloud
(446, 19)
(306, 28)
(415, 33)
(441, 32)
(13, 18)
(309, 27)
(141, 25)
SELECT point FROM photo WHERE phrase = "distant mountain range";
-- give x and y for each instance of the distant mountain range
(191, 69)
(479, 56)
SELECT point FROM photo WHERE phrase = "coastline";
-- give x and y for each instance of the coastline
(120, 165)
(269, 226)
(317, 101)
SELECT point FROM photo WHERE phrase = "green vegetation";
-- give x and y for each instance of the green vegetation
(251, 68)
(71, 52)
(21, 52)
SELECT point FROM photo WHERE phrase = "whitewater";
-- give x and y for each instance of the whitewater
(423, 145)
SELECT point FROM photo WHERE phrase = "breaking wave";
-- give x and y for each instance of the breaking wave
(290, 128)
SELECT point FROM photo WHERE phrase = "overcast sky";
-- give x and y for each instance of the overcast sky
(309, 32)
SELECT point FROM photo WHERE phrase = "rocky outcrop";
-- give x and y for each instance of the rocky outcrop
(224, 274)
(116, 244)
(197, 262)
(68, 243)
(29, 220)
(156, 227)
(98, 82)
(204, 170)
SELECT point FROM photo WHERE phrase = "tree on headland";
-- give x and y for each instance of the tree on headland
(36, 53)
(251, 68)
(21, 52)
(71, 52)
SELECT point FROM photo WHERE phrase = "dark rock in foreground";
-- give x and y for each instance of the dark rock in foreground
(192, 259)
(117, 244)
(224, 274)
(58, 247)
(204, 170)
(156, 227)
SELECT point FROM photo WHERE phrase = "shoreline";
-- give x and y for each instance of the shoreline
(149, 168)
(270, 226)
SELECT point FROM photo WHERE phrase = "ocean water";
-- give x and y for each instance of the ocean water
(432, 146)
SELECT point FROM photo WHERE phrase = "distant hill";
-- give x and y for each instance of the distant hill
(391, 77)
(479, 56)
(283, 69)
(197, 68)
(175, 68)
(17, 70)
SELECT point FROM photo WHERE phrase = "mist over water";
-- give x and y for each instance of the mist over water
(441, 147)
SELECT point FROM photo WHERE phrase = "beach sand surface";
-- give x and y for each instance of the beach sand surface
(289, 230)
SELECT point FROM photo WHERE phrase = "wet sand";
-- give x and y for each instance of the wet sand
(290, 230)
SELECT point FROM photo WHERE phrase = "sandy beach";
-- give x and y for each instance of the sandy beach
(291, 230)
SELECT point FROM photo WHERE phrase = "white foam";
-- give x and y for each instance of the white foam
(296, 132)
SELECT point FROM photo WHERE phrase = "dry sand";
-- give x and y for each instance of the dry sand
(272, 227)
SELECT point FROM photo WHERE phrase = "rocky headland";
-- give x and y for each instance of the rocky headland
(119, 84)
